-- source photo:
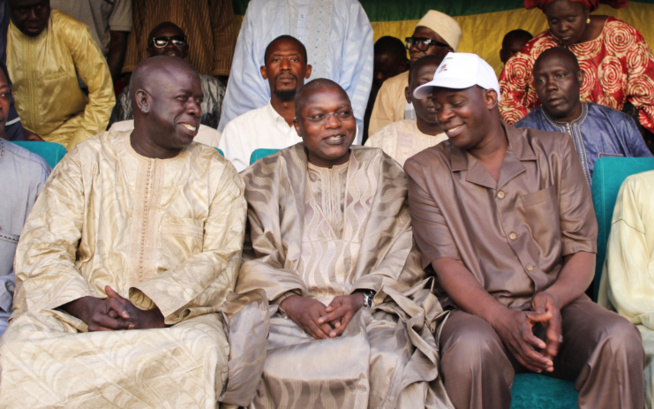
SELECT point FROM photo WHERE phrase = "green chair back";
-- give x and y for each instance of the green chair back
(261, 153)
(608, 175)
(52, 152)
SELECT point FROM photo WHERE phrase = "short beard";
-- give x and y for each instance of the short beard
(285, 95)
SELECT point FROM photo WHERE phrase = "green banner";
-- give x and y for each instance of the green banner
(396, 10)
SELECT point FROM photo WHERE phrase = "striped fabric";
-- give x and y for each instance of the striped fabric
(208, 24)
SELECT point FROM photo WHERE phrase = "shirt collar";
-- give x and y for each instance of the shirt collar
(278, 119)
(518, 150)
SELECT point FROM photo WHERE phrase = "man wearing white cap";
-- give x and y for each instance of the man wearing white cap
(504, 217)
(435, 34)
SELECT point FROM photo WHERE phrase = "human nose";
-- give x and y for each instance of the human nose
(332, 120)
(550, 84)
(194, 107)
(444, 115)
(285, 64)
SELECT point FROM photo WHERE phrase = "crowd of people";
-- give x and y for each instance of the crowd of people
(421, 232)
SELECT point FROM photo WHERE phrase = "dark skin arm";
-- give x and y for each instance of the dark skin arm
(116, 56)
(113, 313)
(515, 327)
(306, 313)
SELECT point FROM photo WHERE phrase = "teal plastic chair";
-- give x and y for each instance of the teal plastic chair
(608, 175)
(52, 152)
(261, 153)
(220, 152)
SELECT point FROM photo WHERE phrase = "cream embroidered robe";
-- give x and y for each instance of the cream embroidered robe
(160, 232)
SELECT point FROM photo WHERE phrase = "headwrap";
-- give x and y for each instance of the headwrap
(591, 5)
(443, 25)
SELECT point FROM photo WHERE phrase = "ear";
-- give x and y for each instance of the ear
(142, 100)
(262, 69)
(491, 98)
(307, 72)
(580, 76)
(407, 94)
(298, 127)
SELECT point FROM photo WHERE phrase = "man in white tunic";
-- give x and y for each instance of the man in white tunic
(271, 126)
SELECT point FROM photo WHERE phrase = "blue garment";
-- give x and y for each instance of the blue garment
(599, 131)
(339, 42)
(23, 176)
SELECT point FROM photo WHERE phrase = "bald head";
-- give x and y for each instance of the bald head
(155, 70)
(310, 88)
(562, 55)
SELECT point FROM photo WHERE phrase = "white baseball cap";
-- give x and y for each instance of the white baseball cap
(460, 71)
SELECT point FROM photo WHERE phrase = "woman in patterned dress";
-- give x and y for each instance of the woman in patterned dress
(617, 62)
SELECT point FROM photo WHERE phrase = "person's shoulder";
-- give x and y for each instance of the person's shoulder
(378, 138)
(542, 142)
(432, 158)
(533, 119)
(643, 180)
(25, 158)
(608, 112)
(401, 80)
(247, 118)
(62, 21)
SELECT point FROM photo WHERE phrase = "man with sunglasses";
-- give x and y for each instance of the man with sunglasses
(46, 52)
(435, 34)
(168, 39)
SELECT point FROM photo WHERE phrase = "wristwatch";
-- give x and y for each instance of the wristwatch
(368, 295)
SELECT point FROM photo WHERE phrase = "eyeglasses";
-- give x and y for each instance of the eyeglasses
(162, 41)
(320, 119)
(423, 43)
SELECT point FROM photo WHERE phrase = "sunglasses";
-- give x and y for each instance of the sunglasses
(423, 43)
(162, 41)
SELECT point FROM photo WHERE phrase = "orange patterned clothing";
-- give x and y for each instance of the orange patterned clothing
(618, 66)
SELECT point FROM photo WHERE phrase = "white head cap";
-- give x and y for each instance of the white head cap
(460, 71)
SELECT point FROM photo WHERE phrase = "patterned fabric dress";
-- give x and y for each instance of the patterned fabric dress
(618, 67)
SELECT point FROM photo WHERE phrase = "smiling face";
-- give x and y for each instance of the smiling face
(169, 103)
(286, 68)
(30, 16)
(465, 114)
(437, 50)
(326, 123)
(557, 79)
(567, 21)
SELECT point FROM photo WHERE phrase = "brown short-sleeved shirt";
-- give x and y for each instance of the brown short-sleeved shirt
(511, 234)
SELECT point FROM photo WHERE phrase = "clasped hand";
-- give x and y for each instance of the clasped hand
(515, 328)
(318, 320)
(113, 313)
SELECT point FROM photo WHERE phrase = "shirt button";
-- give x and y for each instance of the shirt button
(500, 194)
(530, 268)
(512, 236)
